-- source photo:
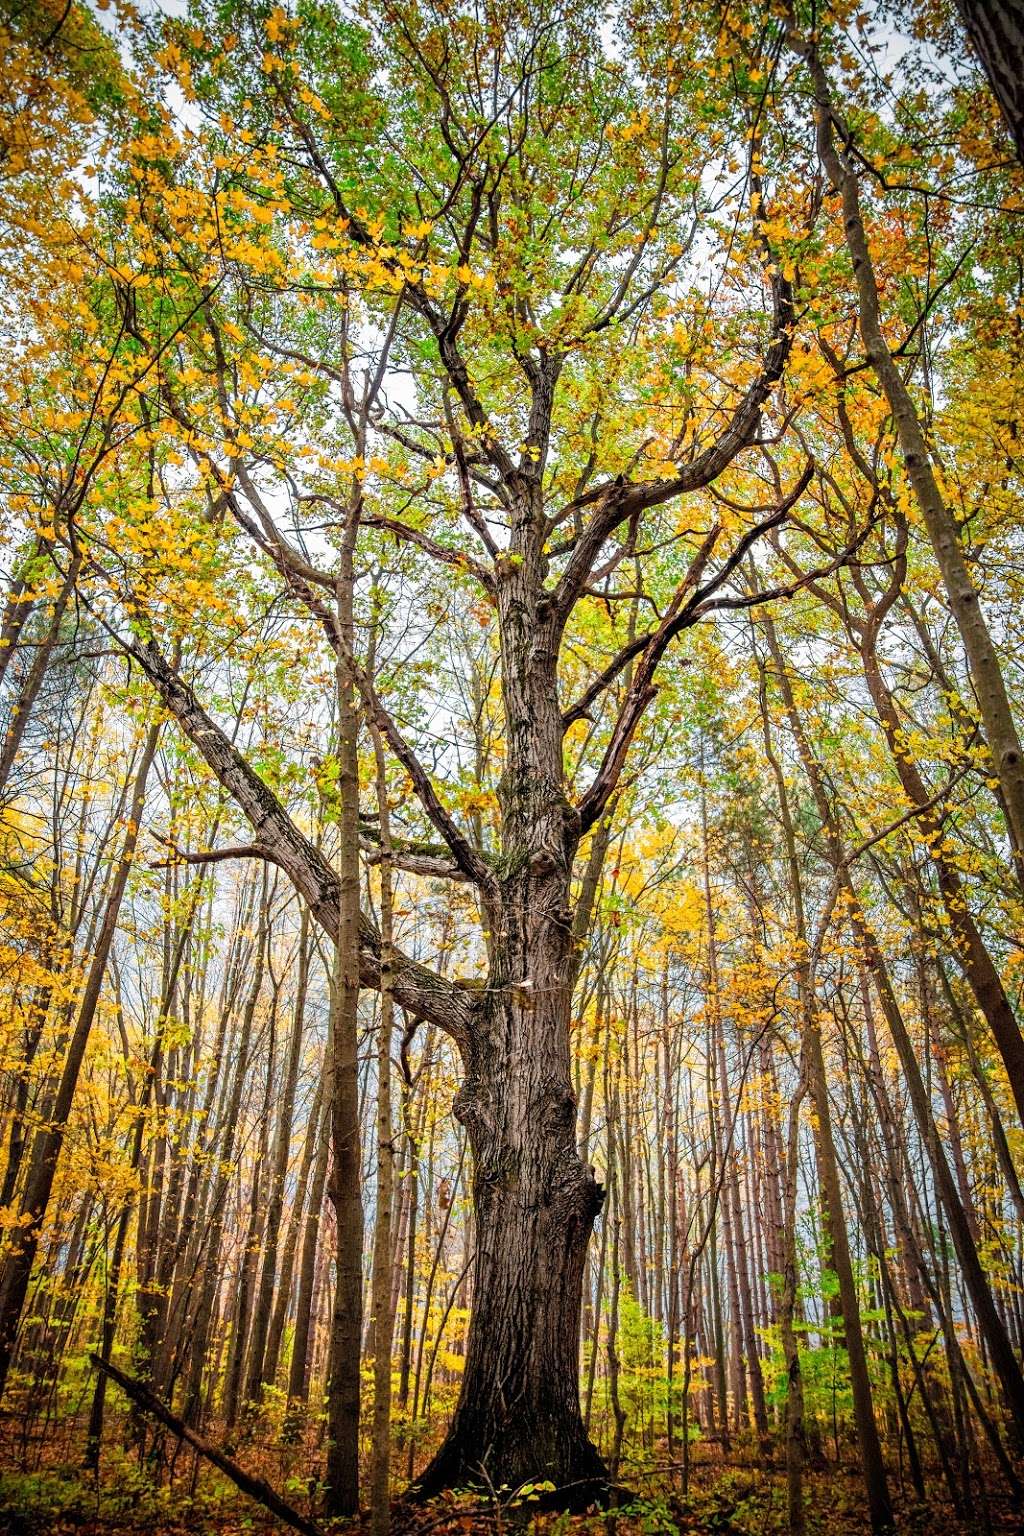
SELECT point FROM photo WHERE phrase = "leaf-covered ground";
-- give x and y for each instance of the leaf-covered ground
(724, 1498)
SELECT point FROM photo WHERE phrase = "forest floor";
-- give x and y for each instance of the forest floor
(57, 1499)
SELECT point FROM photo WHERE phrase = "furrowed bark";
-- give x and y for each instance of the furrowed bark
(518, 1416)
(996, 30)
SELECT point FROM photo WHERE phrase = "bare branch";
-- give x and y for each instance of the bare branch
(620, 499)
(416, 986)
(679, 617)
(208, 855)
(417, 864)
(453, 557)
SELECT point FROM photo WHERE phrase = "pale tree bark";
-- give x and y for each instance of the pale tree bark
(256, 1369)
(112, 1288)
(49, 1138)
(796, 1432)
(997, 1342)
(298, 1370)
(982, 656)
(182, 1257)
(202, 1315)
(613, 1219)
(244, 1279)
(286, 1280)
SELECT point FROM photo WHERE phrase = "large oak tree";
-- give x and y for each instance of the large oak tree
(515, 213)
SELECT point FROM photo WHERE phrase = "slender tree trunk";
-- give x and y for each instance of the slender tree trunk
(796, 1434)
(873, 1464)
(112, 1289)
(203, 1314)
(969, 946)
(298, 1373)
(256, 1370)
(409, 1300)
(719, 1099)
(382, 1316)
(35, 1019)
(285, 1287)
(343, 1386)
(22, 709)
(245, 1277)
(184, 1258)
(1003, 1359)
(50, 1138)
(982, 657)
(20, 601)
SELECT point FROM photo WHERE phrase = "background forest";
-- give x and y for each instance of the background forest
(511, 801)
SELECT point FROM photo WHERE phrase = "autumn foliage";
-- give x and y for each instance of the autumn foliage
(511, 795)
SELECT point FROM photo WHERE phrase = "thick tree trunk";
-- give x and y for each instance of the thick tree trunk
(996, 29)
(535, 1201)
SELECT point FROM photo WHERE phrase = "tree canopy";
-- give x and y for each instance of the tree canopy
(511, 794)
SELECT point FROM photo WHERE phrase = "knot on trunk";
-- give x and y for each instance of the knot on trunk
(468, 1107)
(594, 1195)
(578, 1196)
(496, 1170)
(559, 1108)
